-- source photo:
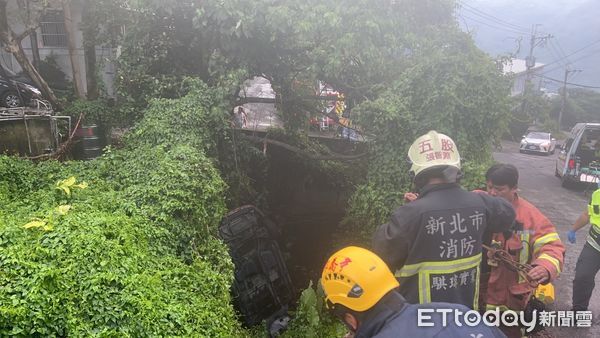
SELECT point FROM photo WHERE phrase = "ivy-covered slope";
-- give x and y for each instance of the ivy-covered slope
(122, 245)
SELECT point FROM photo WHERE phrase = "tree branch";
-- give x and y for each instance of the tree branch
(332, 156)
(26, 33)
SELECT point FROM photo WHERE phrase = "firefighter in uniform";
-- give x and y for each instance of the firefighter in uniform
(362, 292)
(534, 241)
(434, 243)
(588, 262)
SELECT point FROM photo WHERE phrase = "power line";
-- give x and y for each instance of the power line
(494, 22)
(555, 53)
(561, 54)
(575, 52)
(573, 61)
(490, 25)
(482, 14)
(562, 51)
(569, 83)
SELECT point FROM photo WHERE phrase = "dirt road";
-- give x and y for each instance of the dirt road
(562, 206)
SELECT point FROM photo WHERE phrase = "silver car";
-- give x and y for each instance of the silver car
(538, 142)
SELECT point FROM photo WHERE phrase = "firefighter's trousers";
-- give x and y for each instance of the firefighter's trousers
(587, 266)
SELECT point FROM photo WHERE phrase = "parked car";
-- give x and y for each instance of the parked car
(538, 142)
(579, 158)
(16, 92)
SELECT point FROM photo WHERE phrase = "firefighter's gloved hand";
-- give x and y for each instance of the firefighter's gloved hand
(571, 236)
(539, 274)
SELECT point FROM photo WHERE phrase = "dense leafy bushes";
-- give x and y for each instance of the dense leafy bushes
(96, 111)
(312, 318)
(455, 90)
(182, 192)
(129, 253)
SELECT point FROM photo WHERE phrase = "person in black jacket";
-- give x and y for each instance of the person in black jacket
(433, 244)
(362, 292)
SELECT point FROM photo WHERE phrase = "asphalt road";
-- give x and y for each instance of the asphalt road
(539, 186)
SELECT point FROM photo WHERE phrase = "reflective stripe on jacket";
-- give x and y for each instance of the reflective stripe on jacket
(594, 213)
(434, 243)
(537, 243)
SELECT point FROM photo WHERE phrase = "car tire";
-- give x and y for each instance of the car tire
(552, 152)
(556, 173)
(565, 182)
(521, 151)
(10, 99)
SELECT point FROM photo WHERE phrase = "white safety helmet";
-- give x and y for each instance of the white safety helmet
(433, 150)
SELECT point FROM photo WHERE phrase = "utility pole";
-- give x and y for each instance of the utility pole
(530, 62)
(564, 95)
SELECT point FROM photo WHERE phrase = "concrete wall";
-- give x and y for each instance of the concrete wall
(105, 56)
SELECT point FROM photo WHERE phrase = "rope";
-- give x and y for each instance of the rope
(504, 257)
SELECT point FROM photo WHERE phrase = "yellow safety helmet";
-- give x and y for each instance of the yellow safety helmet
(356, 278)
(433, 150)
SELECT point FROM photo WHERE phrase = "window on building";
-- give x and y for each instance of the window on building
(53, 29)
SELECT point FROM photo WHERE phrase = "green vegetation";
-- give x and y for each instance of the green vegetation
(534, 108)
(455, 90)
(131, 252)
(134, 252)
(583, 105)
(312, 319)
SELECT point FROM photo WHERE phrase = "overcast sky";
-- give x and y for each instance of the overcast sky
(528, 3)
(574, 24)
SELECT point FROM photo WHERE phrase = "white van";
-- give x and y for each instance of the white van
(579, 158)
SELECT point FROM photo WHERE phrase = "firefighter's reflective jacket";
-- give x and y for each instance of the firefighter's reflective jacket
(434, 243)
(535, 242)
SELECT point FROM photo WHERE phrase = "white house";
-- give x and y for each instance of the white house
(52, 40)
(518, 68)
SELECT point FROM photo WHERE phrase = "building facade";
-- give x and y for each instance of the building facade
(51, 41)
(518, 68)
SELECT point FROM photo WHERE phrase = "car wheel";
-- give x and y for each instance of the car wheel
(552, 152)
(565, 182)
(10, 99)
(521, 151)
(556, 173)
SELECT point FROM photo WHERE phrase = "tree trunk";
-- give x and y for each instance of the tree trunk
(35, 75)
(90, 72)
(35, 51)
(79, 90)
(89, 51)
(13, 46)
